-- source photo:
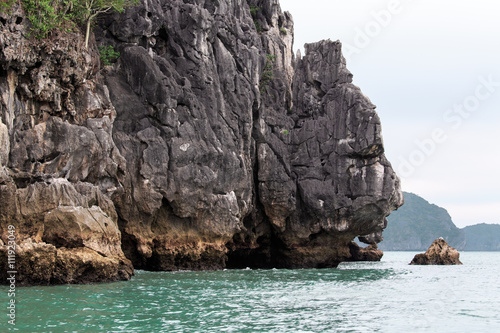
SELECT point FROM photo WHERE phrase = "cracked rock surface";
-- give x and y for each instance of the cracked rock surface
(206, 145)
(438, 253)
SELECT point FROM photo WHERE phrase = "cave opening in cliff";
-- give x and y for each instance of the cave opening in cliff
(130, 249)
(263, 252)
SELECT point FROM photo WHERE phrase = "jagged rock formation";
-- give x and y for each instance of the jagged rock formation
(439, 253)
(57, 158)
(207, 144)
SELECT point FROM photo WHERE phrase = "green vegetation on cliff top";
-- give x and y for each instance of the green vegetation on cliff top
(47, 16)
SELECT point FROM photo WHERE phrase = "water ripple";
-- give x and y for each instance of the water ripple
(388, 296)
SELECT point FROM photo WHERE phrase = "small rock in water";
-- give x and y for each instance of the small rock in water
(439, 253)
(369, 253)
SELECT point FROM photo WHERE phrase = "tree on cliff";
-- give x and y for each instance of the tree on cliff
(49, 15)
(88, 10)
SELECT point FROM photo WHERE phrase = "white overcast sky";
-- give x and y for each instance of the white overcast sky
(424, 64)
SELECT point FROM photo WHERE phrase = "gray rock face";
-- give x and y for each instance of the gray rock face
(185, 92)
(337, 151)
(342, 176)
(322, 174)
(64, 233)
(207, 145)
(58, 161)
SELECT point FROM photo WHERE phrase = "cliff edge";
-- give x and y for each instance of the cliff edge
(206, 145)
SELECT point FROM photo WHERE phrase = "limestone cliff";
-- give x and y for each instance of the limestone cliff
(57, 159)
(206, 145)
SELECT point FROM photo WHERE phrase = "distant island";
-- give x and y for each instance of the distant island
(418, 223)
(482, 237)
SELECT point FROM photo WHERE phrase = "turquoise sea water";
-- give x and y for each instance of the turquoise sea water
(386, 296)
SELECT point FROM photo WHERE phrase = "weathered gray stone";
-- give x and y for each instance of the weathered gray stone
(207, 145)
(58, 226)
(336, 149)
(4, 144)
(72, 226)
(185, 96)
(42, 263)
(323, 178)
(58, 161)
